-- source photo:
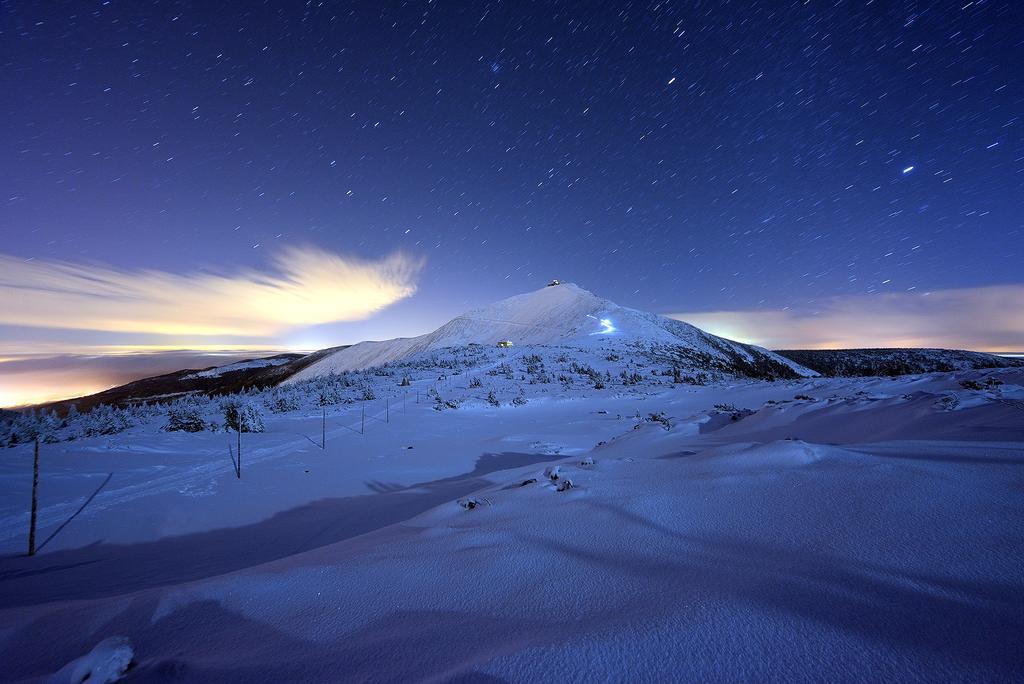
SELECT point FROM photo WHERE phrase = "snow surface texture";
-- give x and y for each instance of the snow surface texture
(801, 530)
(566, 315)
(106, 663)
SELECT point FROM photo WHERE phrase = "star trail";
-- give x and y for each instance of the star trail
(675, 157)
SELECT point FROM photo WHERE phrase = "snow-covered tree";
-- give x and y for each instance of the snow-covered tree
(241, 415)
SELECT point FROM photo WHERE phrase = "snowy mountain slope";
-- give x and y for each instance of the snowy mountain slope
(568, 315)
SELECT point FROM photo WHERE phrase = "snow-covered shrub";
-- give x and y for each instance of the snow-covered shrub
(283, 401)
(368, 394)
(475, 382)
(631, 378)
(519, 400)
(185, 416)
(565, 485)
(329, 396)
(441, 404)
(492, 400)
(241, 415)
(21, 427)
(105, 420)
(502, 369)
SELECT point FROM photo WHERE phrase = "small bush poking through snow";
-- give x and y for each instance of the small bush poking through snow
(587, 461)
(661, 419)
(529, 481)
(470, 503)
(552, 472)
(565, 485)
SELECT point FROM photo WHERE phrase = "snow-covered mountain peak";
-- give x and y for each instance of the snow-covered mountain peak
(544, 316)
(568, 315)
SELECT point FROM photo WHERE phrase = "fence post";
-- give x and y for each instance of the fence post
(35, 486)
(387, 409)
(323, 431)
(362, 420)
(238, 472)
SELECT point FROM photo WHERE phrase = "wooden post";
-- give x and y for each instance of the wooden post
(323, 431)
(238, 472)
(362, 420)
(387, 409)
(35, 505)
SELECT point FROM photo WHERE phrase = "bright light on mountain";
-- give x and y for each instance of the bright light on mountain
(606, 325)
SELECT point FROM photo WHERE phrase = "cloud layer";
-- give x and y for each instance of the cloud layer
(982, 319)
(37, 378)
(308, 286)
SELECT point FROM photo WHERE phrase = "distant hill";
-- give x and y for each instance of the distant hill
(250, 373)
(891, 362)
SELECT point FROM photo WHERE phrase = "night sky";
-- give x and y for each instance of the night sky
(675, 157)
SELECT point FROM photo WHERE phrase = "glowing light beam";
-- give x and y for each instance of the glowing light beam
(606, 325)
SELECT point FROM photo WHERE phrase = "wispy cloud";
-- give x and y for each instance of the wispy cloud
(306, 286)
(982, 318)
